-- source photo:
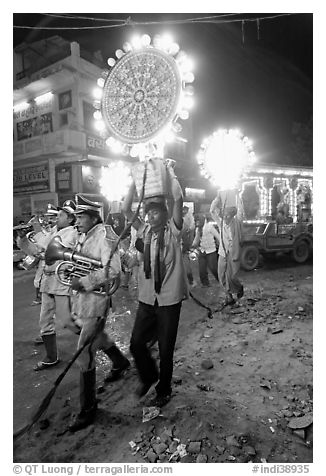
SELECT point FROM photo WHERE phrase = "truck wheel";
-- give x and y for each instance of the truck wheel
(301, 251)
(249, 257)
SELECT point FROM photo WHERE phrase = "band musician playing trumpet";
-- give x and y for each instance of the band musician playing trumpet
(89, 306)
(56, 297)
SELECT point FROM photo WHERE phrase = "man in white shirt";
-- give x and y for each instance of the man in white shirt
(206, 242)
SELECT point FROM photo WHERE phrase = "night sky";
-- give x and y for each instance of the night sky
(260, 82)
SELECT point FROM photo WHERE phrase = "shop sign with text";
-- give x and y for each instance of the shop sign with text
(63, 178)
(32, 179)
(97, 146)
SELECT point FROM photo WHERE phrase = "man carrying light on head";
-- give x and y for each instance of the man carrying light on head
(229, 221)
(162, 285)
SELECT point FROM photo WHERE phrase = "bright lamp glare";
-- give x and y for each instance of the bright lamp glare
(119, 54)
(188, 77)
(99, 125)
(173, 49)
(146, 40)
(43, 98)
(166, 41)
(225, 158)
(127, 47)
(117, 147)
(100, 82)
(184, 114)
(186, 65)
(136, 42)
(21, 106)
(157, 41)
(134, 151)
(111, 62)
(97, 115)
(188, 102)
(115, 181)
(97, 93)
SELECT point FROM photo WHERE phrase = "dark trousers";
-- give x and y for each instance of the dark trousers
(161, 324)
(207, 261)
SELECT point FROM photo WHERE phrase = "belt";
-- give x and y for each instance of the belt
(49, 273)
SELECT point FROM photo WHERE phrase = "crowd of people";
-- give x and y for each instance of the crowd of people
(158, 251)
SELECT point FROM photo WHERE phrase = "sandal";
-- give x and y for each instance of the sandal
(160, 400)
(45, 365)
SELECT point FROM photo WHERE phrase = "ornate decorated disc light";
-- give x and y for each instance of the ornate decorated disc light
(143, 94)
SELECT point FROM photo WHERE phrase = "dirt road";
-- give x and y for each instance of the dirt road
(240, 379)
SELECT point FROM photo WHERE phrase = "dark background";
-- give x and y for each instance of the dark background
(257, 79)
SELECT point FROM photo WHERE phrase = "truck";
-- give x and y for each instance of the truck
(268, 238)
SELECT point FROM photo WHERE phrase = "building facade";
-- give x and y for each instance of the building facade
(57, 152)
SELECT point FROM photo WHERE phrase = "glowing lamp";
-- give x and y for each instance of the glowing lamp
(127, 47)
(188, 77)
(119, 54)
(109, 141)
(188, 102)
(97, 104)
(117, 147)
(136, 42)
(97, 93)
(111, 62)
(146, 40)
(43, 98)
(225, 156)
(186, 64)
(99, 125)
(97, 115)
(173, 49)
(115, 181)
(134, 151)
(176, 127)
(184, 114)
(166, 41)
(189, 90)
(21, 106)
(157, 41)
(100, 82)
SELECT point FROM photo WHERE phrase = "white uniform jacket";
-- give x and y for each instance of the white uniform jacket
(97, 245)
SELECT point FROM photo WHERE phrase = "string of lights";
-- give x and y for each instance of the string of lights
(130, 22)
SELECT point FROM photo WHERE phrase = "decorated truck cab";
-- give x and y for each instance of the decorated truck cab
(267, 239)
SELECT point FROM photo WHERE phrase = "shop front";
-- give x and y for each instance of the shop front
(270, 191)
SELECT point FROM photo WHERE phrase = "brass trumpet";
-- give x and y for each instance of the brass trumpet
(75, 265)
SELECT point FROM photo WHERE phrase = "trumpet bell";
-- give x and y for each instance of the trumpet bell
(54, 251)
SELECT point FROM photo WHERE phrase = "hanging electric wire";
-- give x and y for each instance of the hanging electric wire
(128, 22)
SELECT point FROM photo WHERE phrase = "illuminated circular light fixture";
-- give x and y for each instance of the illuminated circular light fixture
(224, 156)
(144, 93)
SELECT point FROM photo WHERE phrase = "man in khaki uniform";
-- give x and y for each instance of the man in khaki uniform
(89, 306)
(56, 297)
